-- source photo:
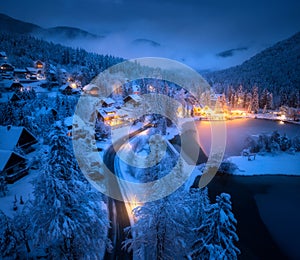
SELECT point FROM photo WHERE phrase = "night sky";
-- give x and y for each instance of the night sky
(204, 34)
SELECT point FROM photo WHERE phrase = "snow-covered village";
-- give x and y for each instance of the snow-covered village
(130, 142)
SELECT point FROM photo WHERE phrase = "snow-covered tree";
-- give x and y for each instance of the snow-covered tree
(66, 215)
(8, 237)
(255, 99)
(3, 186)
(162, 229)
(217, 233)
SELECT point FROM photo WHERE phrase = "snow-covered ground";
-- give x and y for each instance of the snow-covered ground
(279, 164)
(22, 187)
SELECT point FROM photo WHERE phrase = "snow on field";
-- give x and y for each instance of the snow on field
(280, 164)
(22, 187)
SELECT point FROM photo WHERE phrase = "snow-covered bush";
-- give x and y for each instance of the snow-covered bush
(296, 143)
(227, 167)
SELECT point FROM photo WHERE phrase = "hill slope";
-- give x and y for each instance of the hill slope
(11, 25)
(277, 69)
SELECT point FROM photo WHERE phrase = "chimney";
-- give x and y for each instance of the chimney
(8, 127)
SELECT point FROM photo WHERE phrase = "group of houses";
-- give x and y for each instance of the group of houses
(15, 144)
(112, 114)
(37, 72)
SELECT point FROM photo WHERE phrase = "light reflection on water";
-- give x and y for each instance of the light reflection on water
(239, 129)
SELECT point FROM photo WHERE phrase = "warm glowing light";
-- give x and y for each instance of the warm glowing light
(130, 206)
(282, 117)
(281, 122)
(73, 85)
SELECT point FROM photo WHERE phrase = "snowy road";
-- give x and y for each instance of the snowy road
(118, 216)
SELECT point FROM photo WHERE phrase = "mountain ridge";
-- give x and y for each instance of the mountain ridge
(12, 25)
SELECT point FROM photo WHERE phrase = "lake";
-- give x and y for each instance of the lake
(239, 129)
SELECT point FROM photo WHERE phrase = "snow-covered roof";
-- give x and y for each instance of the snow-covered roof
(108, 101)
(2, 54)
(6, 65)
(63, 87)
(134, 97)
(89, 87)
(31, 69)
(20, 71)
(109, 109)
(63, 71)
(16, 85)
(4, 157)
(107, 112)
(10, 136)
(68, 121)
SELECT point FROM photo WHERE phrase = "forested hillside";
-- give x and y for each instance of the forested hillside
(276, 69)
(23, 49)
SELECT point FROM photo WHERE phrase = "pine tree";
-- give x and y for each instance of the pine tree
(66, 215)
(8, 237)
(217, 233)
(162, 229)
(255, 98)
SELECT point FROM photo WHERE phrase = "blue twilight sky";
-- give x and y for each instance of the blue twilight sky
(205, 34)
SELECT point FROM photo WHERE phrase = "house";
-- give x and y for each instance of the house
(39, 64)
(66, 89)
(6, 67)
(31, 73)
(16, 86)
(12, 165)
(133, 99)
(106, 114)
(69, 89)
(15, 97)
(107, 102)
(16, 136)
(91, 89)
(20, 73)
